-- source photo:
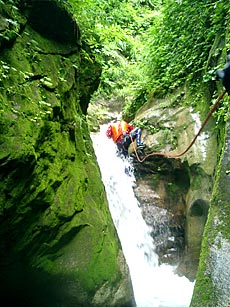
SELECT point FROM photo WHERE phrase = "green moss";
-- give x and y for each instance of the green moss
(103, 266)
(55, 225)
(206, 293)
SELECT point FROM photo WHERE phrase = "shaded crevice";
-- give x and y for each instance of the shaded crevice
(66, 54)
(35, 77)
(51, 20)
(67, 238)
(31, 78)
(45, 243)
(199, 208)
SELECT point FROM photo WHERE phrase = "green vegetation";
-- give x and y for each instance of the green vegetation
(180, 43)
(150, 49)
(113, 30)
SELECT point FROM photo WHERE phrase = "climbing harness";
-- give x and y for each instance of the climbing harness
(177, 155)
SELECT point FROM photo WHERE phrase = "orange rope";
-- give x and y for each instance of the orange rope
(177, 155)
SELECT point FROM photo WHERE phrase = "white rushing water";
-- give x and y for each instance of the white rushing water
(153, 285)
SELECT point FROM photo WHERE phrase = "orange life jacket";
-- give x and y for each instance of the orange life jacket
(118, 129)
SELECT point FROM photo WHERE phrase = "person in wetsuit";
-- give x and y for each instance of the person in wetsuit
(122, 134)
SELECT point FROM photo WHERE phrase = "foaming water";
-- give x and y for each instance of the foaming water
(153, 285)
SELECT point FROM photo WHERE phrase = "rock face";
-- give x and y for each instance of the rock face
(212, 285)
(58, 243)
(175, 192)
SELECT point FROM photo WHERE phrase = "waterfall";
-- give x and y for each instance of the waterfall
(153, 285)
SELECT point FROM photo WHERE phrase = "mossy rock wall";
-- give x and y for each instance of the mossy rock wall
(213, 279)
(58, 245)
(182, 185)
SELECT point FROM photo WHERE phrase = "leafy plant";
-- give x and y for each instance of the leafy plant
(180, 41)
(149, 47)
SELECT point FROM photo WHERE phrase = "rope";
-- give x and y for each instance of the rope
(177, 155)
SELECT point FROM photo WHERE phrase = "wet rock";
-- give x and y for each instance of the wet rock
(58, 245)
(181, 186)
(213, 277)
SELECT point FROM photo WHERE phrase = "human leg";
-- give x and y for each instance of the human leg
(122, 150)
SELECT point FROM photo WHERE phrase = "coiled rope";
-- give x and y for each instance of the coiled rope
(177, 155)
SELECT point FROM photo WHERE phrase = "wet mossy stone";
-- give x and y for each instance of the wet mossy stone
(58, 244)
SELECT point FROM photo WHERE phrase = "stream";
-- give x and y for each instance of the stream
(154, 285)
